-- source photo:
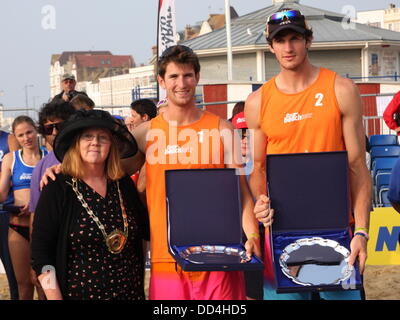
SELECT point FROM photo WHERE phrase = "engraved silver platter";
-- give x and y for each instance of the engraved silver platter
(316, 261)
(214, 254)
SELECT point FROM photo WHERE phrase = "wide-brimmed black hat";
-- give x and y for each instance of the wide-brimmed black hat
(82, 120)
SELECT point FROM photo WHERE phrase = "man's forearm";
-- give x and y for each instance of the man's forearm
(257, 182)
(133, 164)
(250, 223)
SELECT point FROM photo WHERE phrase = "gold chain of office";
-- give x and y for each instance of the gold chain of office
(115, 240)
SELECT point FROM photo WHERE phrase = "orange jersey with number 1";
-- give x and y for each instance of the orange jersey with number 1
(175, 152)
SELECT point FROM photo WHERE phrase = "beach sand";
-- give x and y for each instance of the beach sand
(380, 282)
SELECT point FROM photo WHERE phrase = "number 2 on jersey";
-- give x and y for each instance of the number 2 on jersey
(319, 97)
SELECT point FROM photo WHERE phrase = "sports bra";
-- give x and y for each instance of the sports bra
(21, 173)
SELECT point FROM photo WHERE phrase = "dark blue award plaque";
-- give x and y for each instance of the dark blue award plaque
(310, 236)
(204, 219)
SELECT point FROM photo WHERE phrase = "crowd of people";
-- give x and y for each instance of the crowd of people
(85, 234)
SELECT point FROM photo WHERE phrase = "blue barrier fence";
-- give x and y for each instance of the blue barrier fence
(393, 77)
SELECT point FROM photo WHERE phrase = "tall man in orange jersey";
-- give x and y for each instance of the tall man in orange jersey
(307, 109)
(178, 74)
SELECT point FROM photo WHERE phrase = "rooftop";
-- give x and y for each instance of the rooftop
(327, 27)
(104, 60)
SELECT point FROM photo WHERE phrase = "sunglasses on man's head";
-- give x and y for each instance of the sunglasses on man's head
(48, 128)
(281, 16)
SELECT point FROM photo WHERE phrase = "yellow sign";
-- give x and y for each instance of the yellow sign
(384, 232)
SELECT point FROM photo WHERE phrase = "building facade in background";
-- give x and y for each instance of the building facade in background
(385, 18)
(87, 66)
(365, 52)
(351, 49)
(121, 90)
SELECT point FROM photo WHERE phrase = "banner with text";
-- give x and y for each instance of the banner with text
(166, 30)
(384, 231)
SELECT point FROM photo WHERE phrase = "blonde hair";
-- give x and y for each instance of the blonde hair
(72, 163)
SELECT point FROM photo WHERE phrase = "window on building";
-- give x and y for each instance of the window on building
(374, 66)
(398, 67)
(375, 24)
(374, 58)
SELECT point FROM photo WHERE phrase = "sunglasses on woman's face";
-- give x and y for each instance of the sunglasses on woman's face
(48, 128)
(291, 15)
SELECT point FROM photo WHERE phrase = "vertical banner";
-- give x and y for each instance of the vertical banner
(166, 32)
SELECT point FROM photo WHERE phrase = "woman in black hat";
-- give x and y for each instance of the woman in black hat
(89, 223)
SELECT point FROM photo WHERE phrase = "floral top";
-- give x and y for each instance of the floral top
(93, 272)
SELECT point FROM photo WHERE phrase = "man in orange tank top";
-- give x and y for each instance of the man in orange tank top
(178, 74)
(307, 109)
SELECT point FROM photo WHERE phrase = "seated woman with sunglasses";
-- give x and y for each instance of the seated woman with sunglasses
(16, 172)
(89, 227)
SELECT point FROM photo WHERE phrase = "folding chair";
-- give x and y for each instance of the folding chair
(384, 151)
(383, 140)
(382, 180)
(383, 199)
(383, 164)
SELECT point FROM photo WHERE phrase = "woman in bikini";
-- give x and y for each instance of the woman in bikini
(16, 172)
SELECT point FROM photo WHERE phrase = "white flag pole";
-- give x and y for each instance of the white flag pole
(228, 39)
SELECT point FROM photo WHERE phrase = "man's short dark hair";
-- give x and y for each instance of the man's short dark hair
(238, 108)
(180, 55)
(145, 106)
(56, 109)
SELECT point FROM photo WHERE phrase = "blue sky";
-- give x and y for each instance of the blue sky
(121, 26)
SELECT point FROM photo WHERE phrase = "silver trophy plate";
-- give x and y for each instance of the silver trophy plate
(316, 261)
(209, 254)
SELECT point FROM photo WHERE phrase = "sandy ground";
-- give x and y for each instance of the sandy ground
(381, 283)
(5, 295)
